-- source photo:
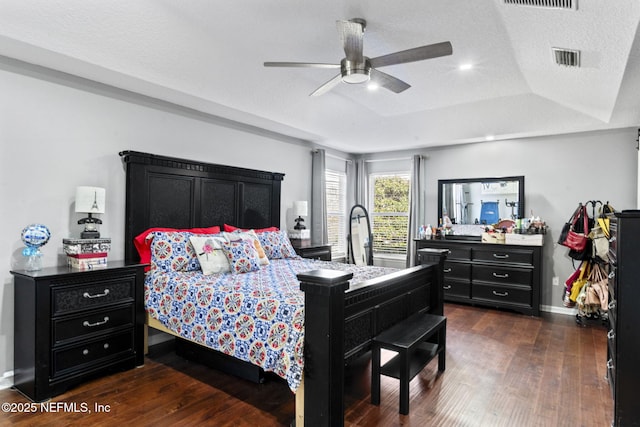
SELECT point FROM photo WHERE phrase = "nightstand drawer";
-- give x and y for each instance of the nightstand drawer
(96, 294)
(92, 322)
(321, 254)
(91, 353)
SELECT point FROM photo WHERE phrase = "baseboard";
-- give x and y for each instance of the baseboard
(559, 310)
(6, 381)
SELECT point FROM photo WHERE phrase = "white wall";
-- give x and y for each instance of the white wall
(57, 133)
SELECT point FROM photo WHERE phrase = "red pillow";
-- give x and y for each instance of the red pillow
(144, 246)
(230, 228)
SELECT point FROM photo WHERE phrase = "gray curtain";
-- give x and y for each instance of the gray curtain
(319, 232)
(362, 178)
(416, 205)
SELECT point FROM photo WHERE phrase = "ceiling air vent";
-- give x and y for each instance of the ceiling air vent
(566, 57)
(547, 4)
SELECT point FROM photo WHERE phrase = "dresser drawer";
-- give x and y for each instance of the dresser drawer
(78, 297)
(91, 322)
(90, 353)
(502, 275)
(456, 252)
(502, 294)
(457, 270)
(502, 254)
(454, 288)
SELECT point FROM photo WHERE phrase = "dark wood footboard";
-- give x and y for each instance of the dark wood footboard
(340, 323)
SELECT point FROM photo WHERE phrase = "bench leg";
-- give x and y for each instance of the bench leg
(375, 374)
(442, 343)
(404, 382)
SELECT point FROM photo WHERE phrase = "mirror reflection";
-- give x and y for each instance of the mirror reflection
(481, 200)
(360, 237)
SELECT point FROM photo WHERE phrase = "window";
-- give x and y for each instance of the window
(336, 194)
(389, 211)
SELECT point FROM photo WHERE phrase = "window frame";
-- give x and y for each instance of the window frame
(372, 176)
(339, 244)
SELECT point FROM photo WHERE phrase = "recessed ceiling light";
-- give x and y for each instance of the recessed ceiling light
(464, 67)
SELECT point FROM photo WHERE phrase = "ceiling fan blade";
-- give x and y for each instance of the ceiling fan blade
(327, 86)
(352, 34)
(388, 82)
(300, 65)
(411, 55)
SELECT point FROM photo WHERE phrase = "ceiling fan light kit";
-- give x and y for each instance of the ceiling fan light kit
(355, 68)
(355, 72)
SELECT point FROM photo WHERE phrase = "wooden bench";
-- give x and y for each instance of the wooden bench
(417, 340)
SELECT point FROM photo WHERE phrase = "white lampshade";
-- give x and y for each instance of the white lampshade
(90, 199)
(300, 208)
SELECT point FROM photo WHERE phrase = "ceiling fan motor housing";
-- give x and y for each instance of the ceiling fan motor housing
(355, 72)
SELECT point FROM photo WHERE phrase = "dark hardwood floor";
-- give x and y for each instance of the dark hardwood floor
(503, 369)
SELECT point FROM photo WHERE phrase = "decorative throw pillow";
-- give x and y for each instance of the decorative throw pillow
(172, 251)
(242, 256)
(277, 245)
(210, 254)
(142, 241)
(249, 235)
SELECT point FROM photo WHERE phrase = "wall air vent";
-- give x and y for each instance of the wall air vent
(566, 57)
(547, 4)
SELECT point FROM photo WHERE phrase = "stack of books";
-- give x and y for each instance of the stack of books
(86, 254)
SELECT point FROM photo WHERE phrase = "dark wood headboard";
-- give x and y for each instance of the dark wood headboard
(170, 192)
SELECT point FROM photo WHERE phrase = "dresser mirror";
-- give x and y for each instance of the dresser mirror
(360, 237)
(480, 201)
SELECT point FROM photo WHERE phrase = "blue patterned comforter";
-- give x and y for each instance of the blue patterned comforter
(256, 317)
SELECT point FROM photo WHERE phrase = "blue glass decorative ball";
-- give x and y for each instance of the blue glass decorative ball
(35, 235)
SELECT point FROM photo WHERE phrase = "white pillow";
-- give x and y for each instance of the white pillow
(210, 255)
(249, 235)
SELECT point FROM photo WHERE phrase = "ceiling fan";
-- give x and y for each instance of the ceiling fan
(356, 68)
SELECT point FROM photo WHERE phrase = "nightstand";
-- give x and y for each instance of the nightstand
(307, 249)
(72, 325)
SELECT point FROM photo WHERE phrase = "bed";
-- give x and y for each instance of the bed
(340, 314)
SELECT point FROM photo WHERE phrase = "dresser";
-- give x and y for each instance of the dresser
(306, 249)
(624, 317)
(72, 325)
(494, 275)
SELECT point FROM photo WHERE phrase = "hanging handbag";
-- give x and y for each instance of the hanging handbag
(577, 286)
(567, 225)
(578, 231)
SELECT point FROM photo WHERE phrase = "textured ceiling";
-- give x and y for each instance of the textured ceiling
(208, 55)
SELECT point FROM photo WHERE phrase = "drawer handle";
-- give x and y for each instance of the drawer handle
(91, 325)
(500, 294)
(501, 256)
(104, 294)
(501, 276)
(612, 305)
(446, 288)
(611, 334)
(447, 270)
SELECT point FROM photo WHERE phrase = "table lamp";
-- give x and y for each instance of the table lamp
(90, 200)
(300, 210)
